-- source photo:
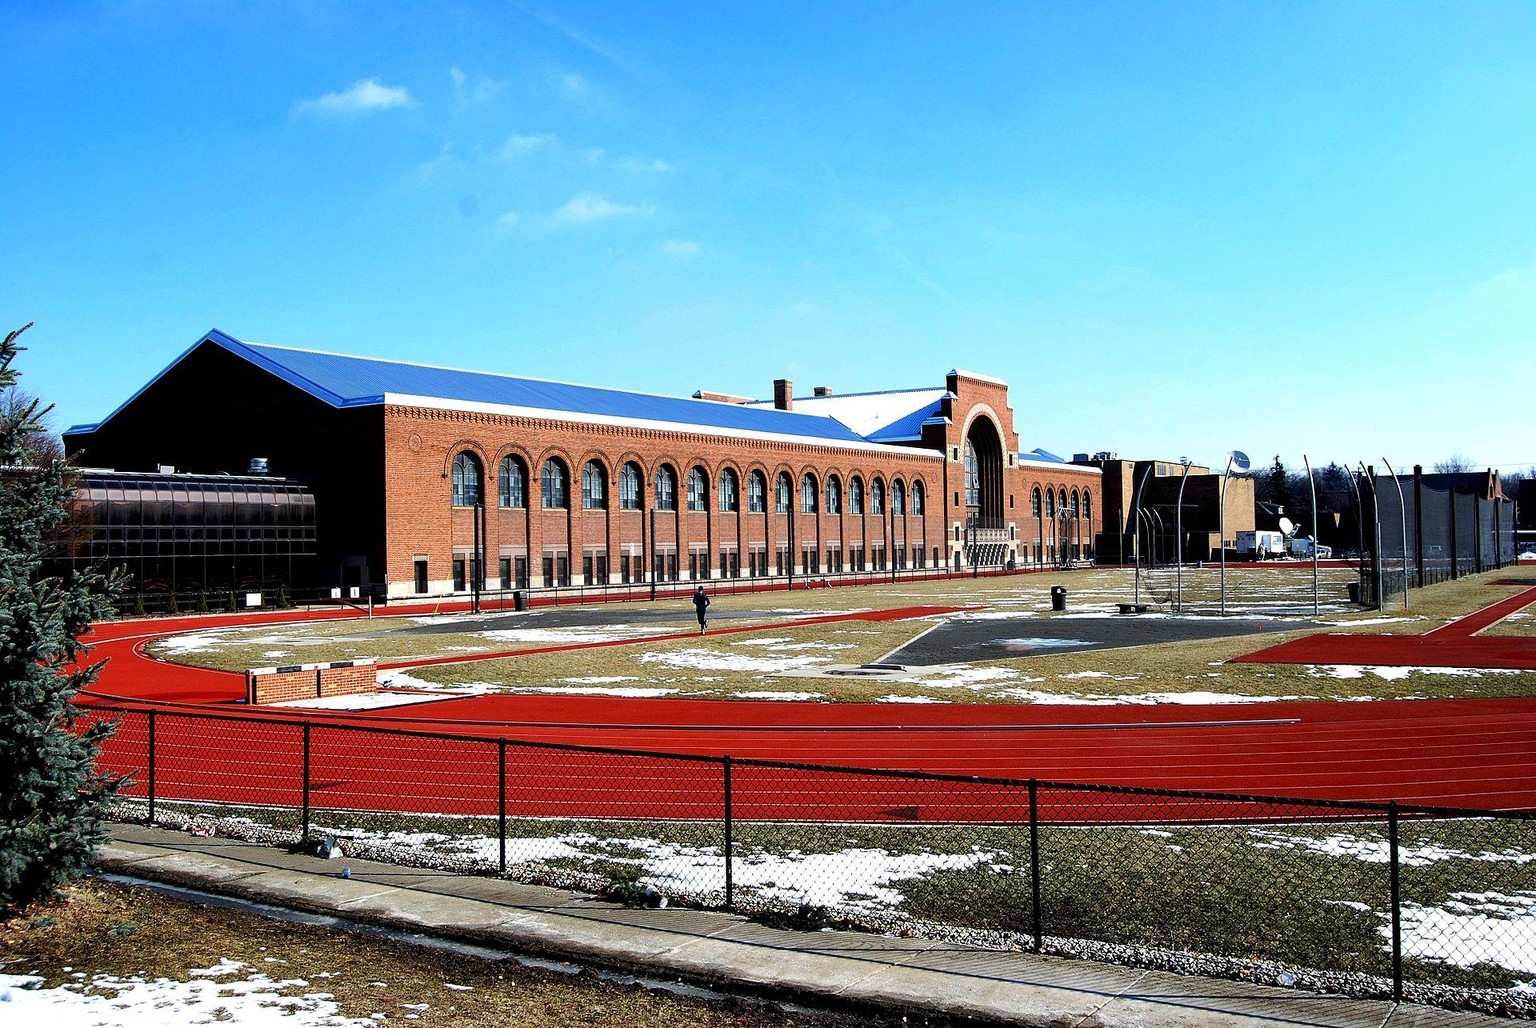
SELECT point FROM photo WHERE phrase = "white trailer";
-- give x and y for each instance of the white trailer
(1261, 545)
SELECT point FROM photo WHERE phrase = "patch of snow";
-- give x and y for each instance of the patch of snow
(107, 1001)
(714, 660)
(1472, 928)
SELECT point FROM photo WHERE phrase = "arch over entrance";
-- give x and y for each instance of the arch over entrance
(984, 471)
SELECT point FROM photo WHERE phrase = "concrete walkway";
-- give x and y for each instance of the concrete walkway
(836, 969)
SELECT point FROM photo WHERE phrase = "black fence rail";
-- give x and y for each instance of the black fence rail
(1433, 903)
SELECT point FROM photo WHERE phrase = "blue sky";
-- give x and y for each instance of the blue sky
(1173, 228)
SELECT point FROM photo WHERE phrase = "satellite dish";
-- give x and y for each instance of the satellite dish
(1240, 460)
(1287, 527)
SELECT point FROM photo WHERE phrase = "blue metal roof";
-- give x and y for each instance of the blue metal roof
(344, 381)
(909, 427)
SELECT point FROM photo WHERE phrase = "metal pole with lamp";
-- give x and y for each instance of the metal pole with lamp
(1239, 458)
(1402, 506)
(1312, 485)
(1178, 538)
(1376, 510)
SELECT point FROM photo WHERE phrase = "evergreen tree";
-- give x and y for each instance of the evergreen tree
(1275, 485)
(52, 798)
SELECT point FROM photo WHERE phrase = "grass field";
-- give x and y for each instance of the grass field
(773, 664)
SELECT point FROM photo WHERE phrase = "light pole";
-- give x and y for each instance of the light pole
(1239, 458)
(1376, 510)
(1402, 506)
(1312, 486)
(1178, 538)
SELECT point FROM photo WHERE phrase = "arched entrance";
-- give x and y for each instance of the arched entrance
(988, 542)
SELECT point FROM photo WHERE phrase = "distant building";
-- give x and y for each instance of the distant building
(1143, 510)
(192, 534)
(428, 480)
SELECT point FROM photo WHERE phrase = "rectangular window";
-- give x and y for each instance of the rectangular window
(421, 574)
(458, 574)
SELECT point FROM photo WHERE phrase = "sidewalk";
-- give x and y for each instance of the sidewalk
(817, 968)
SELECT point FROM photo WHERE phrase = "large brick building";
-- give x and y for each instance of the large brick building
(415, 470)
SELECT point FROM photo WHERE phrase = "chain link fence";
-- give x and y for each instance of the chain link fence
(1433, 904)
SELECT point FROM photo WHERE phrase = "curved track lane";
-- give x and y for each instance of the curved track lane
(1477, 754)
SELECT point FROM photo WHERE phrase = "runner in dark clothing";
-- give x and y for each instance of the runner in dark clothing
(701, 604)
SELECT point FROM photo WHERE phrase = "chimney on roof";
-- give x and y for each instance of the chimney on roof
(783, 394)
(822, 390)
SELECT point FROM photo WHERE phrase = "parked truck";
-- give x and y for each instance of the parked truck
(1261, 545)
(1302, 547)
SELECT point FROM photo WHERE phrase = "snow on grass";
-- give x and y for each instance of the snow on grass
(858, 877)
(576, 634)
(785, 644)
(1378, 851)
(107, 1001)
(1472, 928)
(714, 660)
(1397, 674)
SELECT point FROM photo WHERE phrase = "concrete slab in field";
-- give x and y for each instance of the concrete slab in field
(963, 639)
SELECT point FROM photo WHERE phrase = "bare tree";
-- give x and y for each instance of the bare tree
(1454, 464)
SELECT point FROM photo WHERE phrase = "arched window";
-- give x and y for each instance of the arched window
(917, 499)
(629, 487)
(594, 487)
(466, 480)
(1050, 504)
(757, 493)
(855, 495)
(1087, 506)
(1061, 501)
(834, 495)
(898, 499)
(552, 483)
(729, 501)
(808, 494)
(512, 483)
(698, 490)
(1074, 503)
(781, 490)
(1034, 503)
(666, 488)
(877, 497)
(972, 476)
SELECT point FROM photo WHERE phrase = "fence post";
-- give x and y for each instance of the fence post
(1397, 905)
(1034, 862)
(501, 792)
(304, 834)
(151, 766)
(730, 855)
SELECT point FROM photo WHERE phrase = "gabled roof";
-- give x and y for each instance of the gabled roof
(346, 381)
(893, 416)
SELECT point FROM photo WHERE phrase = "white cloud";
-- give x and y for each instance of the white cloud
(508, 219)
(573, 84)
(585, 207)
(517, 145)
(637, 164)
(366, 95)
(680, 248)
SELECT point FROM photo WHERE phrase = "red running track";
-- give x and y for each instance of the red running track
(1477, 754)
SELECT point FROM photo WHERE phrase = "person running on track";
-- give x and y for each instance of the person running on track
(701, 605)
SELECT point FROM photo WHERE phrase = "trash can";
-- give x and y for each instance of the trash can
(1058, 597)
(520, 599)
(1354, 591)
